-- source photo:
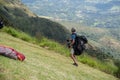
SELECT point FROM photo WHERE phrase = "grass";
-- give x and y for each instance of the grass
(107, 67)
(19, 34)
(43, 42)
(43, 64)
(54, 46)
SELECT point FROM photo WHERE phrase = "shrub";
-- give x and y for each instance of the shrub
(19, 34)
(105, 66)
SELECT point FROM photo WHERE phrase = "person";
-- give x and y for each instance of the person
(1, 24)
(72, 55)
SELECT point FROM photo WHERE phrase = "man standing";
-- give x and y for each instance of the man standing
(1, 24)
(72, 55)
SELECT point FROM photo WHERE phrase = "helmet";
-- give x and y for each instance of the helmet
(73, 30)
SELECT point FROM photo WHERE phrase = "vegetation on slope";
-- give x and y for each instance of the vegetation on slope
(105, 66)
(42, 64)
(105, 42)
(16, 14)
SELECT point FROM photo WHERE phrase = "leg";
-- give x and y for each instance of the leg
(73, 57)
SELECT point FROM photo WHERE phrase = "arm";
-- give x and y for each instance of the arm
(72, 40)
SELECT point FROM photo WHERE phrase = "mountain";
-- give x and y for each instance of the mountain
(14, 13)
(98, 13)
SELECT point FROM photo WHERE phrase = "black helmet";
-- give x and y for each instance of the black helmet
(73, 30)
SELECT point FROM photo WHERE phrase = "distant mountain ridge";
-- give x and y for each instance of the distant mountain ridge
(98, 13)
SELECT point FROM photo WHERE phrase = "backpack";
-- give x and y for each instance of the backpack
(79, 45)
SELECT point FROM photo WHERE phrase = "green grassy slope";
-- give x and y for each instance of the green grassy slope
(42, 64)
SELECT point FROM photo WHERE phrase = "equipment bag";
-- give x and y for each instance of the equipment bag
(79, 45)
(11, 53)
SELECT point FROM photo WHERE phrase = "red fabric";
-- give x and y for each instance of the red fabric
(19, 55)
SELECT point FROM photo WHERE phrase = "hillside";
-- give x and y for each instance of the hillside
(42, 64)
(14, 13)
(101, 17)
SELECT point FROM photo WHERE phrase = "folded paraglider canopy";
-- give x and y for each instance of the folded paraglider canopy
(11, 53)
